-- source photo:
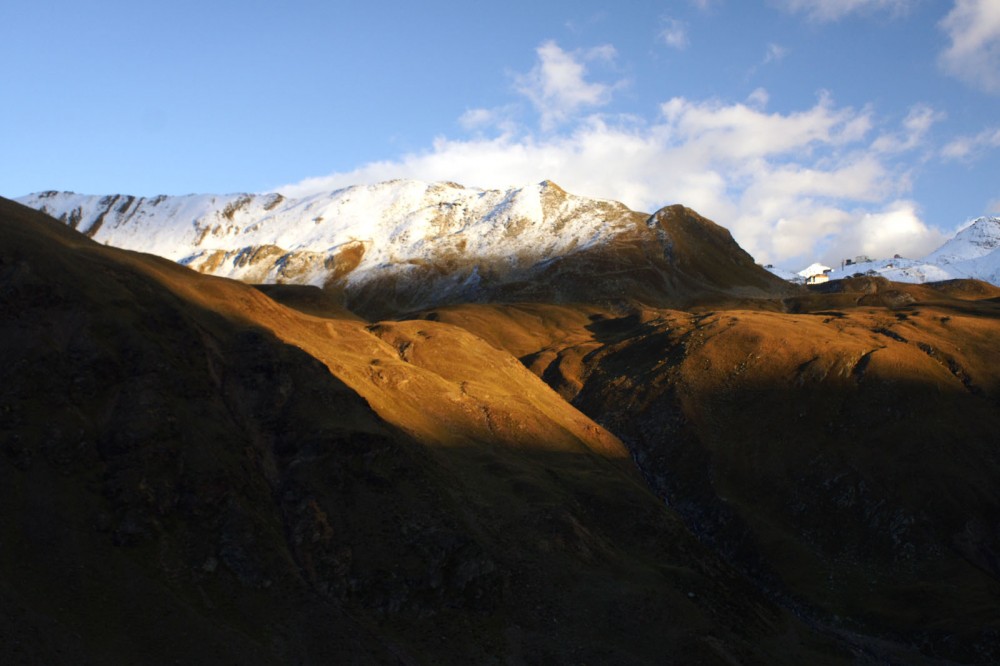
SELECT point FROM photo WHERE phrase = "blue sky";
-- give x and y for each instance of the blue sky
(812, 129)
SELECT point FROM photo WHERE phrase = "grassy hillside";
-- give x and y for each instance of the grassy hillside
(838, 446)
(194, 472)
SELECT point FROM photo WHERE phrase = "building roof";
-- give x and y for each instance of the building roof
(815, 269)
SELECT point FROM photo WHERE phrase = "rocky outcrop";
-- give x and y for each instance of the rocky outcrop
(402, 246)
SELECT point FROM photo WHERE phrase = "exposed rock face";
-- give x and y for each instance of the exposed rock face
(404, 245)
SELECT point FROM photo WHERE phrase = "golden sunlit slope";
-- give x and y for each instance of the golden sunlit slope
(194, 473)
(447, 405)
(845, 455)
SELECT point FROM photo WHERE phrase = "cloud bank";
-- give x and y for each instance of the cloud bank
(834, 10)
(968, 148)
(824, 182)
(674, 33)
(557, 86)
(973, 26)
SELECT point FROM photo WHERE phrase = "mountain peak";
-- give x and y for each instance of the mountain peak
(407, 244)
(550, 185)
(984, 231)
(977, 239)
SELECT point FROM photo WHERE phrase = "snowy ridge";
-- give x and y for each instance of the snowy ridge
(898, 270)
(814, 269)
(976, 240)
(790, 276)
(974, 252)
(350, 235)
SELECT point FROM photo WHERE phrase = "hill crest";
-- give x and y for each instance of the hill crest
(404, 245)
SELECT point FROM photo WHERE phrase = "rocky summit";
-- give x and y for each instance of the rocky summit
(400, 246)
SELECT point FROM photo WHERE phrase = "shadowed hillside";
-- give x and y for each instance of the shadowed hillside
(844, 456)
(195, 473)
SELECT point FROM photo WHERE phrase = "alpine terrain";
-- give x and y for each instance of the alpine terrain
(423, 423)
(972, 253)
(402, 245)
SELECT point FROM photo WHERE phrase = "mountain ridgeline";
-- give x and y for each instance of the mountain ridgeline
(402, 246)
(449, 425)
(973, 253)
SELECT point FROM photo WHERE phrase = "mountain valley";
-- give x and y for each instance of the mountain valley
(492, 427)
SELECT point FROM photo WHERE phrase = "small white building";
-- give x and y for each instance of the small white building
(816, 274)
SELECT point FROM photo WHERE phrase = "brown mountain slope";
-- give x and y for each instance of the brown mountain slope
(845, 456)
(194, 473)
(674, 258)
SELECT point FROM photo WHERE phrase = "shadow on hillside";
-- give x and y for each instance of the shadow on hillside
(182, 486)
(870, 500)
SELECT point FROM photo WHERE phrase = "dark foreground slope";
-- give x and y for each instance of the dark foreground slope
(842, 449)
(193, 473)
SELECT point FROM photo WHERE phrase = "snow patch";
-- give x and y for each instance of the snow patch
(267, 237)
(973, 253)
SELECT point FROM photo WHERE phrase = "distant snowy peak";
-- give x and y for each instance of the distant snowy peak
(897, 270)
(973, 252)
(977, 239)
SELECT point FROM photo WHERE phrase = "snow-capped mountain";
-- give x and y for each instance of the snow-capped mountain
(349, 233)
(975, 240)
(898, 270)
(973, 252)
(391, 230)
(406, 244)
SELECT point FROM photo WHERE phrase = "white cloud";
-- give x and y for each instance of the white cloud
(759, 98)
(822, 182)
(474, 118)
(916, 125)
(775, 52)
(480, 119)
(897, 229)
(970, 147)
(674, 33)
(557, 85)
(834, 10)
(737, 132)
(974, 54)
